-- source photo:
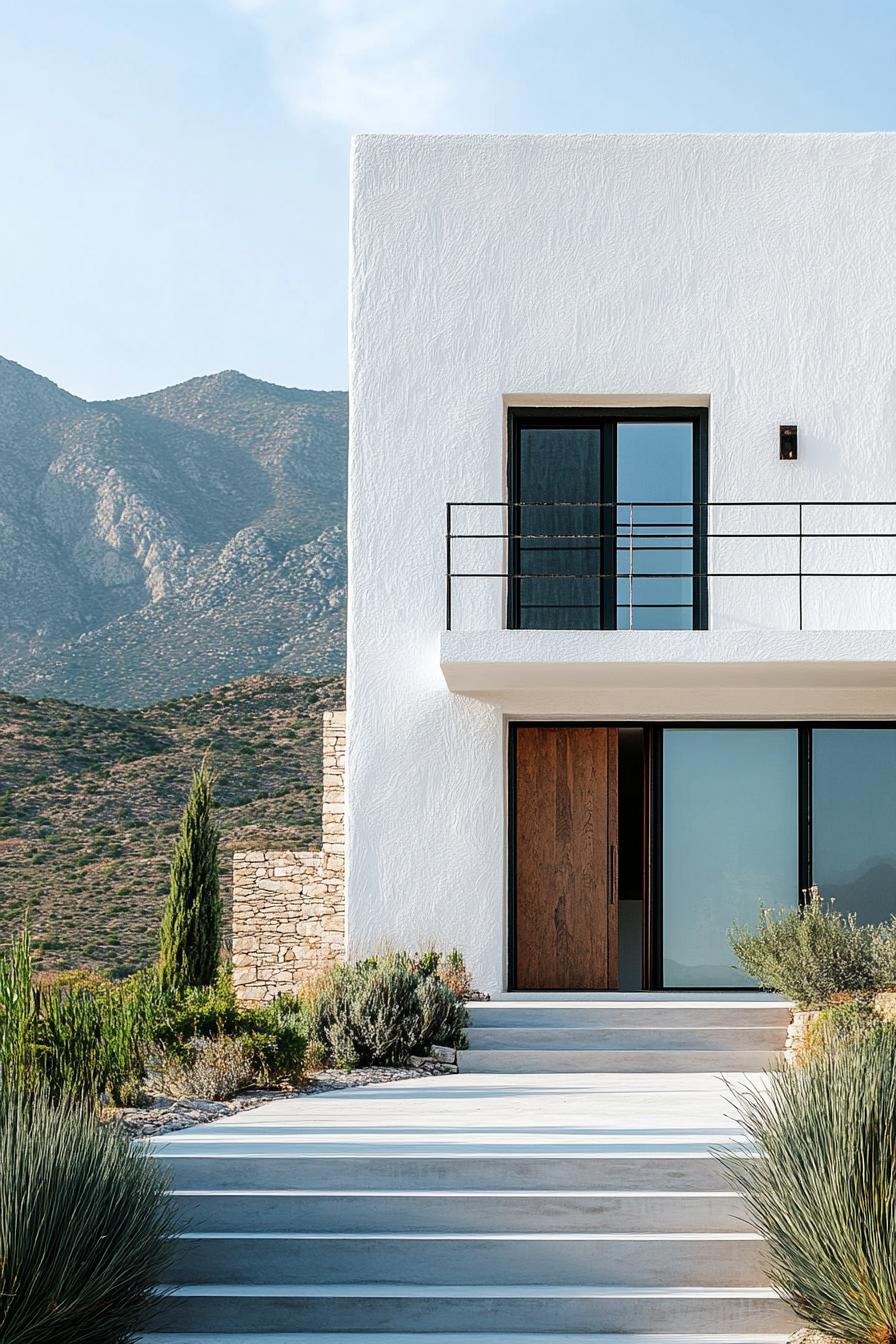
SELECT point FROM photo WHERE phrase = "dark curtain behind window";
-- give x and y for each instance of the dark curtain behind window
(559, 468)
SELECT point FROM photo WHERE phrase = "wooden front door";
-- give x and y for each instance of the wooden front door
(565, 857)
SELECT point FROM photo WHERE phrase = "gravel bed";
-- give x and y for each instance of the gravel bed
(164, 1115)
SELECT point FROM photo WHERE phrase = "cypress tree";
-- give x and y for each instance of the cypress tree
(191, 922)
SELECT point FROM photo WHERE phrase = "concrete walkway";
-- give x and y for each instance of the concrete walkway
(483, 1113)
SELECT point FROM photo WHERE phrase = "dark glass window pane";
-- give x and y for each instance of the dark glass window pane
(854, 820)
(558, 519)
(654, 524)
(730, 840)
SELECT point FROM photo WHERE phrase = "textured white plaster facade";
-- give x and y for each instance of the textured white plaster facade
(755, 275)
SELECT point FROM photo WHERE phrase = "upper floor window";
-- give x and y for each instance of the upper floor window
(607, 519)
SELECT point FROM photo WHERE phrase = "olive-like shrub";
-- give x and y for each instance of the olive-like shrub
(813, 953)
(85, 1224)
(383, 1010)
(819, 1181)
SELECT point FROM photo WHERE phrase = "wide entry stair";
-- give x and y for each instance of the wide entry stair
(625, 1033)
(540, 1206)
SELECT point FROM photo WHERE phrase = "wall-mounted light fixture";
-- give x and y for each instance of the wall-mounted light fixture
(787, 443)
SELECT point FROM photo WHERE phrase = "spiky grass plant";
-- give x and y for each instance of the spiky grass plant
(84, 1225)
(190, 938)
(819, 1181)
(83, 1041)
(18, 1013)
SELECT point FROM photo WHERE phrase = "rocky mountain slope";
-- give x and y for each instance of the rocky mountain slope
(166, 543)
(90, 801)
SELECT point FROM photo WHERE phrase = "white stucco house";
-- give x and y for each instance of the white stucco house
(622, 547)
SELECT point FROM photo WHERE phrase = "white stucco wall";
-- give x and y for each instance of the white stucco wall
(755, 274)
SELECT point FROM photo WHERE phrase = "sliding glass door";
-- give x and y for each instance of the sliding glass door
(854, 820)
(730, 840)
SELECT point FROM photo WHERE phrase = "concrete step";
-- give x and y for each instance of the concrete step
(453, 1338)
(621, 1060)
(643, 1011)
(683, 1259)
(517, 1309)
(667, 1038)
(458, 1211)
(651, 1163)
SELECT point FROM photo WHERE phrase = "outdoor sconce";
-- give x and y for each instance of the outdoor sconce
(787, 449)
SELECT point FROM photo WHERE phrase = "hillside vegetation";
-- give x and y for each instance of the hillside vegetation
(90, 801)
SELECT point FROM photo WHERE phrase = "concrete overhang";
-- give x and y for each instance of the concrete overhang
(493, 663)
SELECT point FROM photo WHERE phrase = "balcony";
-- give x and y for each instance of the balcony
(663, 594)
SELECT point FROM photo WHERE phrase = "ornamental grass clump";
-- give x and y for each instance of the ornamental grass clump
(821, 1187)
(85, 1223)
(78, 1040)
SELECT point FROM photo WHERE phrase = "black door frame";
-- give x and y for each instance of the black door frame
(652, 923)
(605, 421)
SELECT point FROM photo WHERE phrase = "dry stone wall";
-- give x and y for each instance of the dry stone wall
(289, 905)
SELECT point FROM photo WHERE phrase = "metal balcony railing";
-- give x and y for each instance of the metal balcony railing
(608, 553)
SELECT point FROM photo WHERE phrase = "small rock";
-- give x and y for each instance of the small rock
(445, 1054)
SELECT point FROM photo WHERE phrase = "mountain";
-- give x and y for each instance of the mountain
(90, 801)
(163, 544)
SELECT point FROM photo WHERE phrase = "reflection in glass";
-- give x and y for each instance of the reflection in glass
(854, 820)
(561, 468)
(729, 820)
(654, 525)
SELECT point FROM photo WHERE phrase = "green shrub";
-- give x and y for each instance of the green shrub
(822, 1187)
(93, 1043)
(383, 1010)
(214, 1069)
(79, 1035)
(883, 954)
(190, 939)
(18, 1014)
(91, 1038)
(274, 1034)
(810, 954)
(837, 1023)
(84, 1225)
(453, 970)
(443, 1016)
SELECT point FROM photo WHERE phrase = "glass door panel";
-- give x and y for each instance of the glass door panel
(854, 820)
(730, 816)
(655, 525)
(556, 520)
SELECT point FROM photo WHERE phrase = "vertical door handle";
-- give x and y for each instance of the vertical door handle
(612, 875)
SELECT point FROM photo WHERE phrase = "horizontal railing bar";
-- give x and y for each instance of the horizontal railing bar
(593, 606)
(675, 504)
(676, 536)
(593, 575)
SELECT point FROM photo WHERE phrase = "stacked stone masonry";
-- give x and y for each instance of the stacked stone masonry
(289, 905)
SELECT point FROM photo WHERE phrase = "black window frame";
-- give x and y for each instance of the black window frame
(605, 421)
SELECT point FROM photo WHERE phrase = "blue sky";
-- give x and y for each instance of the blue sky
(175, 171)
